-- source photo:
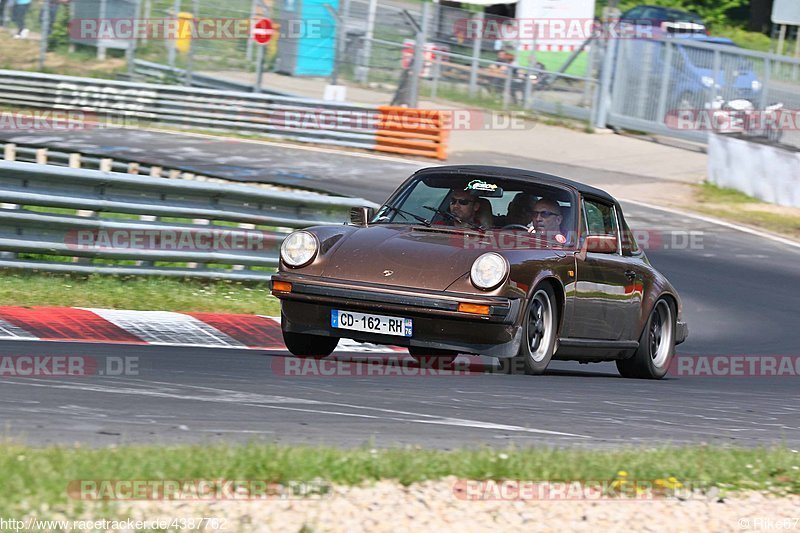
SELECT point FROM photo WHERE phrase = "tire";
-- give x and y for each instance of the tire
(432, 357)
(656, 345)
(304, 345)
(539, 334)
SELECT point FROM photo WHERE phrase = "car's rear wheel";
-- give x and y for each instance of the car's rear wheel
(656, 345)
(432, 357)
(539, 330)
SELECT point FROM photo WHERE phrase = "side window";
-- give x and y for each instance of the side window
(600, 219)
(629, 244)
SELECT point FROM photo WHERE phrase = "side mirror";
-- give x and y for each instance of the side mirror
(360, 216)
(601, 244)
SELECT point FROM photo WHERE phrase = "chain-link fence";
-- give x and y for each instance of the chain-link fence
(688, 87)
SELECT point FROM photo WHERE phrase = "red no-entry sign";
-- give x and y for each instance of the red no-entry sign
(262, 31)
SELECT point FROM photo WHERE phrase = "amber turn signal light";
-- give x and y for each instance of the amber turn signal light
(281, 286)
(474, 309)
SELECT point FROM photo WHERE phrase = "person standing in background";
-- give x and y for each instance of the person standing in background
(2, 13)
(18, 14)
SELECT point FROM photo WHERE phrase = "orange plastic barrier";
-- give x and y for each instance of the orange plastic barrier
(410, 131)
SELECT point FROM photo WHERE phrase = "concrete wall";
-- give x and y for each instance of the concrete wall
(766, 172)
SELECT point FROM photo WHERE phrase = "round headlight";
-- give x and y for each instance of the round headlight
(488, 271)
(299, 249)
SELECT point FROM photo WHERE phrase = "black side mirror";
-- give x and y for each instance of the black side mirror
(360, 216)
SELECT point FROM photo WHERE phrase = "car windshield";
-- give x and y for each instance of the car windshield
(673, 15)
(458, 202)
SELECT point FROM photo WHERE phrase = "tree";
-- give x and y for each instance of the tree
(760, 11)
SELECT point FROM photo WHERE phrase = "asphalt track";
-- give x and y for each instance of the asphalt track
(739, 291)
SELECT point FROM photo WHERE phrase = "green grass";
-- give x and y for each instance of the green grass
(736, 206)
(139, 293)
(713, 193)
(36, 476)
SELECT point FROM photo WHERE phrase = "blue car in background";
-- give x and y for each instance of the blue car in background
(692, 75)
(692, 82)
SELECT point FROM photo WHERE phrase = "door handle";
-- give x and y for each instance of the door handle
(630, 274)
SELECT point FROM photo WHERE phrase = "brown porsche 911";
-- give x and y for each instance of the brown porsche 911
(484, 260)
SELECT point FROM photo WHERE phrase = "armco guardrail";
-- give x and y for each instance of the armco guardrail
(286, 117)
(164, 73)
(116, 217)
(43, 155)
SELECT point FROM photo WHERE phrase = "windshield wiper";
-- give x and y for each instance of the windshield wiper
(454, 218)
(406, 214)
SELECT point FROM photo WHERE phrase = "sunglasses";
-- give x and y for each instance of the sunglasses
(460, 201)
(545, 214)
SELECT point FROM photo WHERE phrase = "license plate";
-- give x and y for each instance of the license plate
(386, 325)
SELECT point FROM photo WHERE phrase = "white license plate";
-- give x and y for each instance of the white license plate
(386, 325)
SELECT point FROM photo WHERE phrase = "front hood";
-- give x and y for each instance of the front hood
(402, 256)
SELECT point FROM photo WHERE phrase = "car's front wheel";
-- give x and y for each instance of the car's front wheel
(432, 357)
(539, 329)
(656, 345)
(304, 345)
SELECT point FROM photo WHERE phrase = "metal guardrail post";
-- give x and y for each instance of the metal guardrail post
(528, 90)
(419, 55)
(643, 79)
(476, 53)
(606, 75)
(46, 30)
(172, 49)
(366, 55)
(9, 154)
(716, 73)
(437, 72)
(665, 79)
(192, 46)
(507, 86)
(101, 50)
(765, 87)
(130, 51)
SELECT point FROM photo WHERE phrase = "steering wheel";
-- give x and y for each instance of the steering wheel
(515, 226)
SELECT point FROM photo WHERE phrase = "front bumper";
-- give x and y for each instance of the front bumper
(437, 321)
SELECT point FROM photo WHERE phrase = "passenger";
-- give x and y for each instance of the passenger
(520, 210)
(546, 219)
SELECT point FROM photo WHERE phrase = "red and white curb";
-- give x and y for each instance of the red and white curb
(164, 328)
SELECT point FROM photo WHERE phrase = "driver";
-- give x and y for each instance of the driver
(464, 206)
